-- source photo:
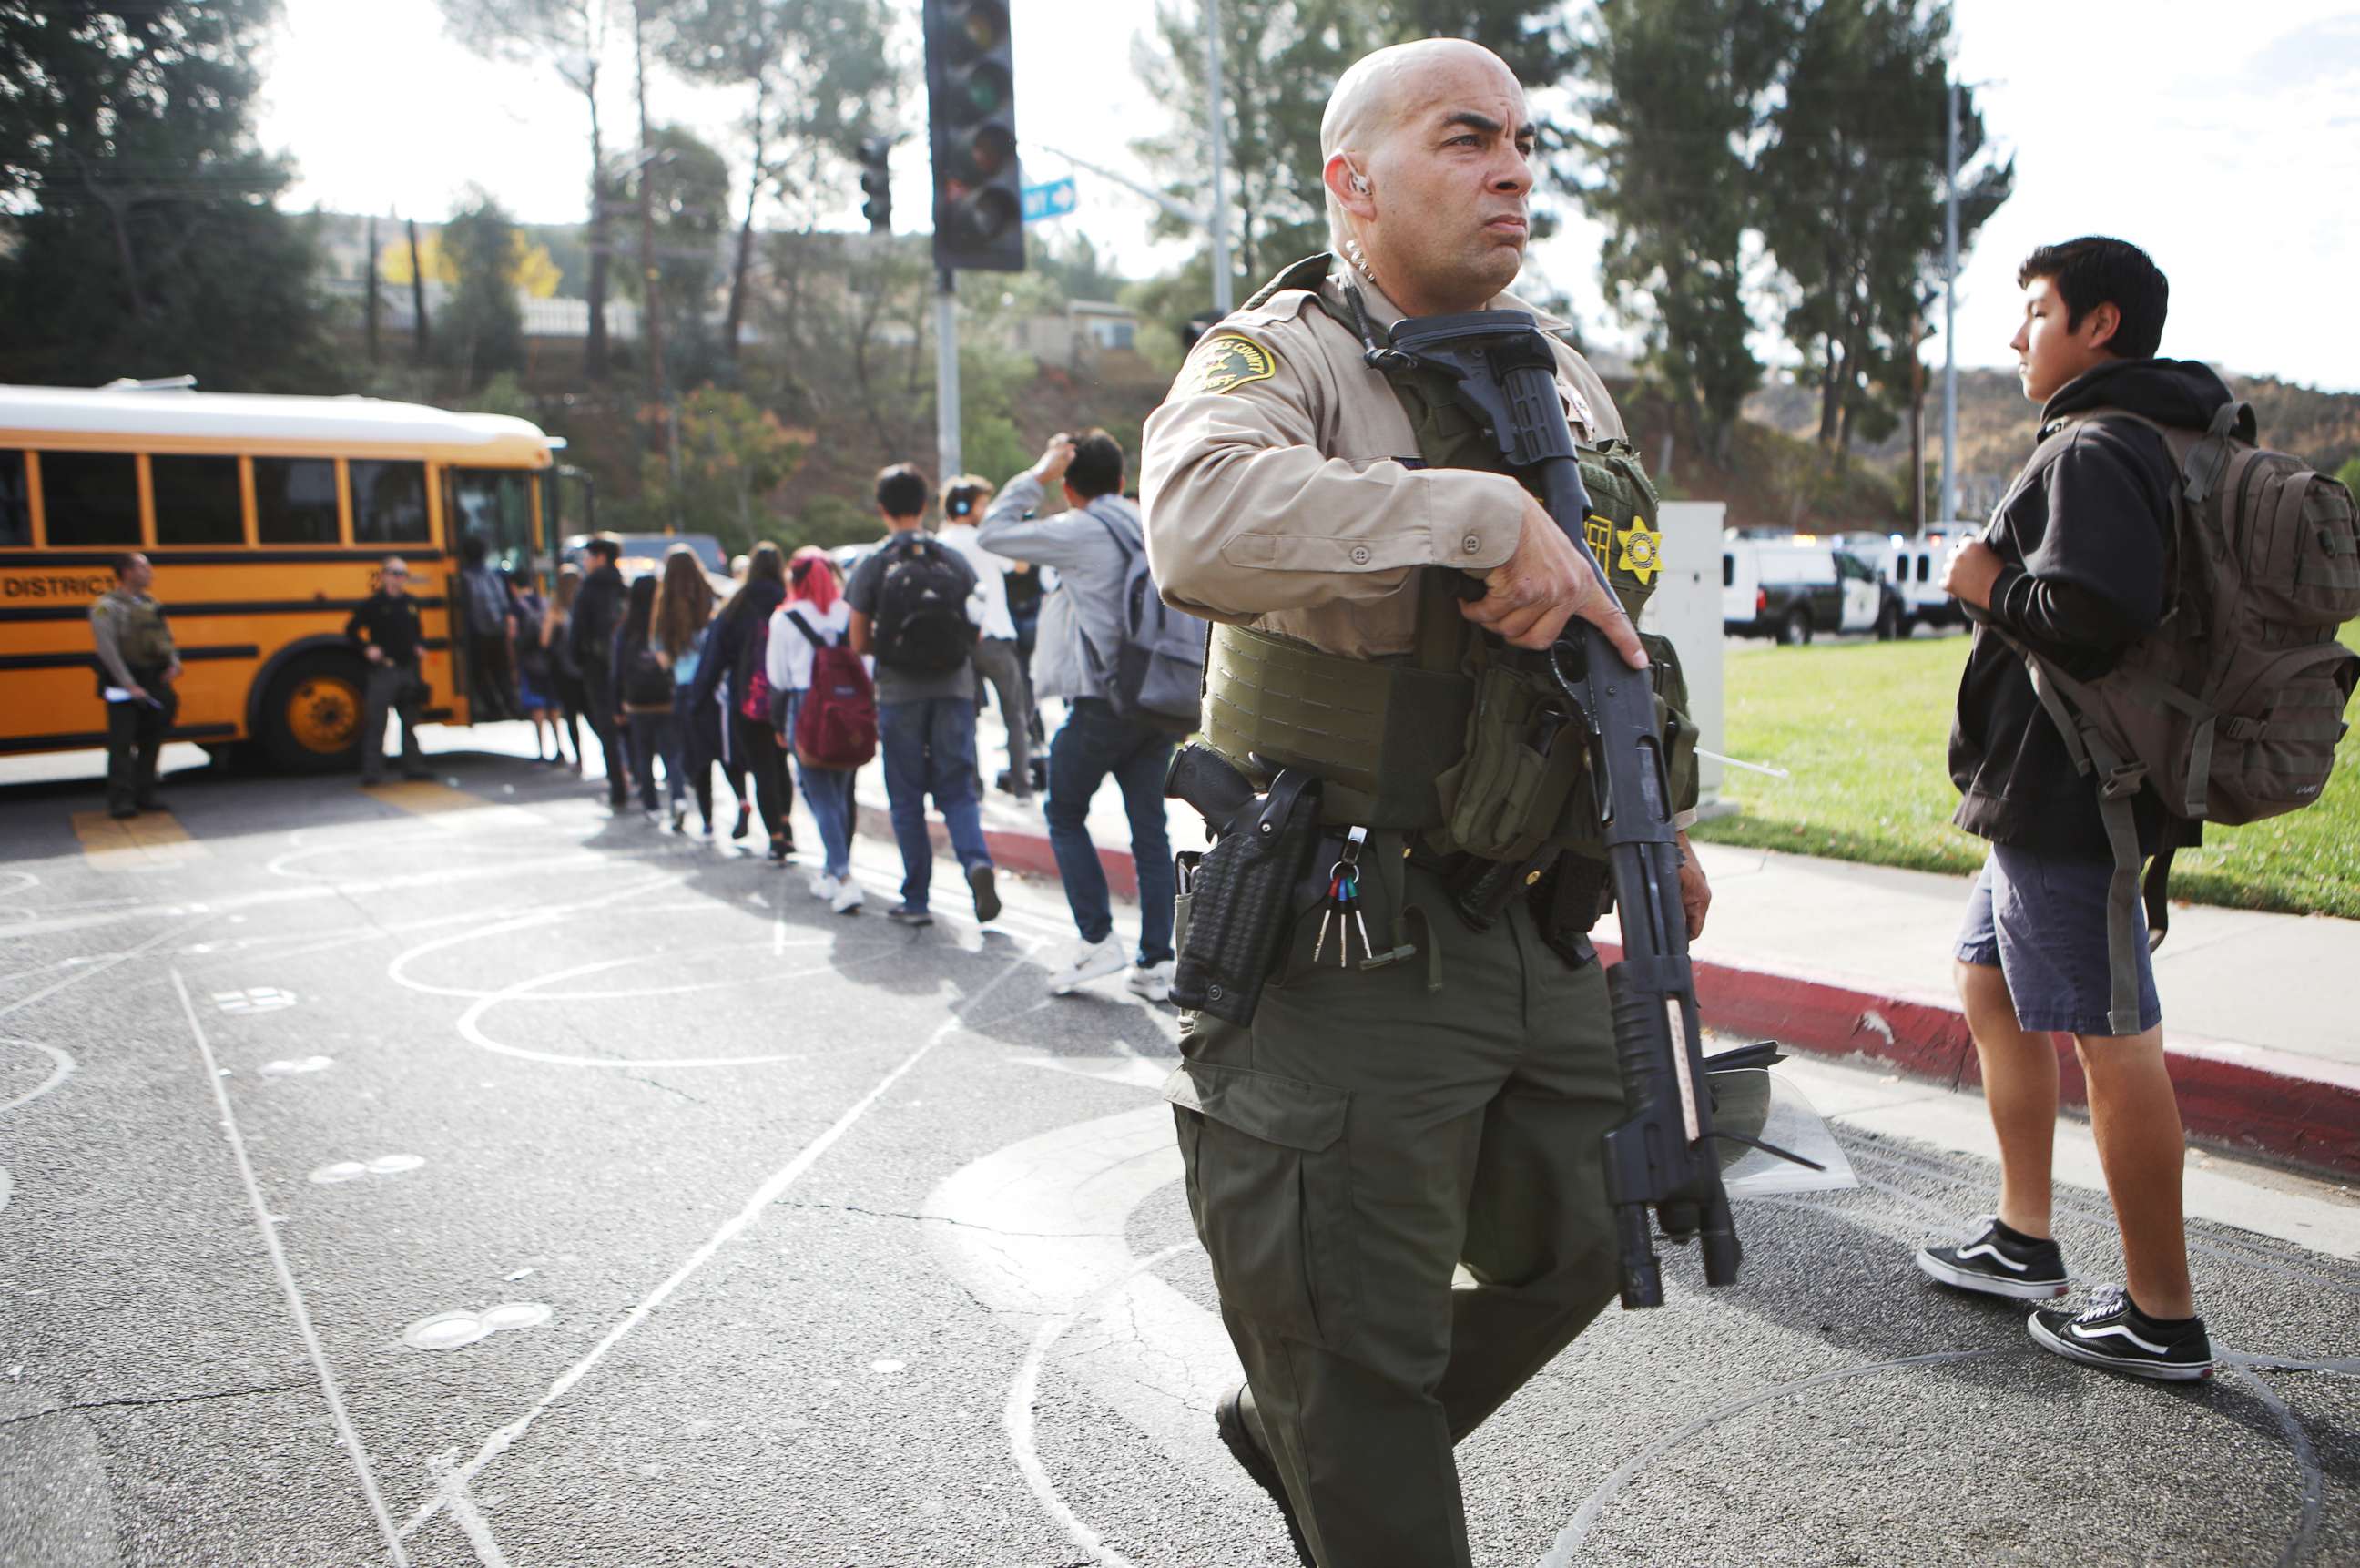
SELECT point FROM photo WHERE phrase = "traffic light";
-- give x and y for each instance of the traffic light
(971, 103)
(876, 184)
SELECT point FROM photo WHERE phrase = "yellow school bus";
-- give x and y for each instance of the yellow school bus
(266, 518)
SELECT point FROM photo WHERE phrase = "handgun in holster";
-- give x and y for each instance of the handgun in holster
(1237, 899)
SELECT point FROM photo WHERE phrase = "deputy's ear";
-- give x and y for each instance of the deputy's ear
(1349, 187)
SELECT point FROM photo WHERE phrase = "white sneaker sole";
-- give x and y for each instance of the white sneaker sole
(2136, 1366)
(1968, 1279)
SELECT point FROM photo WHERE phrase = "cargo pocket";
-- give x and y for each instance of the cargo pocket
(1269, 1187)
(2265, 763)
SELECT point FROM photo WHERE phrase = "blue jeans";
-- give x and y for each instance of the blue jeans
(828, 792)
(1092, 744)
(929, 749)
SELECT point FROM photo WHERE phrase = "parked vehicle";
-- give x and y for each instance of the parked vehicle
(643, 554)
(1914, 567)
(1794, 588)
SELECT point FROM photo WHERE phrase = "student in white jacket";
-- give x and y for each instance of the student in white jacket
(815, 607)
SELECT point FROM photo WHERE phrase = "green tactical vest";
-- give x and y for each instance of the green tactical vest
(1440, 740)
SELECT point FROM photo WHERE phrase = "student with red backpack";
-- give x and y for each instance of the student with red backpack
(828, 715)
(735, 667)
(2155, 602)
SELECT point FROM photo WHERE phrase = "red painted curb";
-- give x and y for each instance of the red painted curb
(2247, 1097)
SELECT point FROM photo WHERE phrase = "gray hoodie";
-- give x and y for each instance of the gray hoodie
(1081, 623)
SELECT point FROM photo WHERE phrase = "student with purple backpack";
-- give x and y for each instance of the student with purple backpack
(826, 711)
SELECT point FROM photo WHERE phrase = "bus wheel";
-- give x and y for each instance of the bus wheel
(312, 720)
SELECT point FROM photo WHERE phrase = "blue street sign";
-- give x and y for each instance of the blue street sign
(1054, 200)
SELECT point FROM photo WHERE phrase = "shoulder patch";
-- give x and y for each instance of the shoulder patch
(1225, 362)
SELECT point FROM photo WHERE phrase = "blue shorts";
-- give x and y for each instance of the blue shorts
(2041, 921)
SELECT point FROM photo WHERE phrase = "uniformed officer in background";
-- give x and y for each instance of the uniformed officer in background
(1372, 1128)
(137, 669)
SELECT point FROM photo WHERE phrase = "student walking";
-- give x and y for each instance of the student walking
(733, 668)
(643, 688)
(490, 623)
(683, 610)
(2073, 568)
(564, 671)
(828, 715)
(536, 684)
(997, 660)
(909, 600)
(597, 611)
(1092, 540)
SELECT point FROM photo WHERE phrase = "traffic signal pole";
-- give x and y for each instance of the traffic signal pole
(946, 375)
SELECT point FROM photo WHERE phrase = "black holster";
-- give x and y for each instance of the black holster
(1238, 899)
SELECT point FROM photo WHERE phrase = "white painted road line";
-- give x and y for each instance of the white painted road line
(345, 1434)
(770, 1192)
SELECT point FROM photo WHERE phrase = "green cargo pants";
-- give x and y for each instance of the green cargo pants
(1361, 1139)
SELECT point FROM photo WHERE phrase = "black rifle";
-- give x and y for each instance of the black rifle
(1505, 375)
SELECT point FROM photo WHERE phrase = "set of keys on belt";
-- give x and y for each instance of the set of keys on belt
(1343, 907)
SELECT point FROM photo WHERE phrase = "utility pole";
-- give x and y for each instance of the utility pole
(1951, 304)
(417, 295)
(946, 377)
(369, 309)
(1219, 216)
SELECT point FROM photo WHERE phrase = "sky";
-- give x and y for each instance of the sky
(2231, 153)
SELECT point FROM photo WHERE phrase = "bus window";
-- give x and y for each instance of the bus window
(197, 500)
(91, 497)
(388, 502)
(498, 504)
(16, 502)
(295, 500)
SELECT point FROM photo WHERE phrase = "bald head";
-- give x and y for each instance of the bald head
(1435, 136)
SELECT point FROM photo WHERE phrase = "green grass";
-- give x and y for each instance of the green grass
(1863, 728)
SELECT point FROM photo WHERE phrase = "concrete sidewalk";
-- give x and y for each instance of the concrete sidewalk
(1851, 960)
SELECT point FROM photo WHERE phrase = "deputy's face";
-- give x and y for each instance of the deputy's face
(1452, 180)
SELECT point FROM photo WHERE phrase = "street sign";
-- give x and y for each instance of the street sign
(1054, 200)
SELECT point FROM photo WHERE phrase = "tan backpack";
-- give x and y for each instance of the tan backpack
(2231, 709)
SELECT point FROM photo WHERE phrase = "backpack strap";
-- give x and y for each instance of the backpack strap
(2118, 781)
(805, 627)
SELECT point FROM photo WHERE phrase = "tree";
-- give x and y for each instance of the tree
(144, 241)
(569, 36)
(532, 267)
(482, 331)
(727, 455)
(687, 186)
(1678, 93)
(1851, 199)
(2349, 476)
(820, 78)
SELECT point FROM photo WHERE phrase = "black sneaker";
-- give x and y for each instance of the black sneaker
(1988, 1262)
(745, 819)
(987, 892)
(1237, 1436)
(2109, 1332)
(903, 915)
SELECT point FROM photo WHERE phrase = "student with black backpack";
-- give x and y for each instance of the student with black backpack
(908, 599)
(733, 668)
(2156, 601)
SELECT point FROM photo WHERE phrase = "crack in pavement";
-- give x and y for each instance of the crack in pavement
(946, 1220)
(137, 1402)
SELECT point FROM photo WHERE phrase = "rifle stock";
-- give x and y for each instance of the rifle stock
(1659, 1156)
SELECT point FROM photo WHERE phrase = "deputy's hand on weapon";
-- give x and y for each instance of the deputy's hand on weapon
(1696, 893)
(1531, 595)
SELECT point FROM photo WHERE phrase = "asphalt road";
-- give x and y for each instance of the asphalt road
(458, 1176)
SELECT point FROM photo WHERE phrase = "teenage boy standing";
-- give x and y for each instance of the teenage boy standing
(909, 598)
(1091, 540)
(2073, 567)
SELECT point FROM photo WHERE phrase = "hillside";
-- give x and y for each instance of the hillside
(1995, 425)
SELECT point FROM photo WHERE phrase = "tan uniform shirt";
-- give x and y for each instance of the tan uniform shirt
(1281, 486)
